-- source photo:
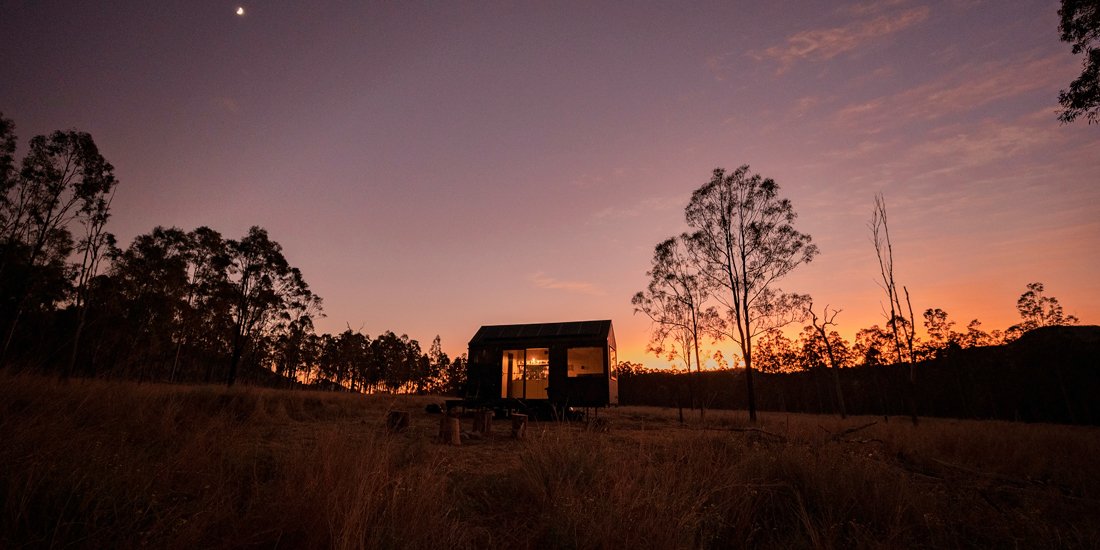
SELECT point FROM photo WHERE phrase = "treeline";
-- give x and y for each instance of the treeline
(173, 305)
(1050, 374)
(718, 281)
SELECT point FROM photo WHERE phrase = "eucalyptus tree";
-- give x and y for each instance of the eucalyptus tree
(92, 247)
(150, 282)
(1038, 310)
(263, 292)
(941, 334)
(775, 353)
(674, 301)
(63, 178)
(745, 242)
(204, 318)
(1080, 26)
(439, 363)
(7, 167)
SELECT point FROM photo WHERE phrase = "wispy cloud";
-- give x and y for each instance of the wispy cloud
(541, 280)
(864, 9)
(649, 205)
(825, 44)
(803, 105)
(978, 145)
(965, 88)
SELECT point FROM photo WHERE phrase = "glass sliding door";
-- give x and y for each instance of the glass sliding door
(537, 373)
(524, 373)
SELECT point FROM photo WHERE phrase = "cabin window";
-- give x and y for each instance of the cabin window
(613, 363)
(524, 373)
(585, 361)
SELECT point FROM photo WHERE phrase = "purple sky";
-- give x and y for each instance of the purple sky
(432, 167)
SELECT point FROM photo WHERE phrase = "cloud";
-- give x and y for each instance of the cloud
(869, 8)
(541, 280)
(825, 44)
(988, 150)
(643, 207)
(804, 105)
(965, 88)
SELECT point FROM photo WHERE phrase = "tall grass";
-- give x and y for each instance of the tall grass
(99, 464)
(96, 464)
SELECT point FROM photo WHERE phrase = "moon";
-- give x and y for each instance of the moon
(240, 10)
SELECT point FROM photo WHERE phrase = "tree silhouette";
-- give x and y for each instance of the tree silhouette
(775, 353)
(264, 292)
(1080, 26)
(941, 335)
(821, 326)
(63, 178)
(1037, 310)
(902, 327)
(674, 300)
(744, 241)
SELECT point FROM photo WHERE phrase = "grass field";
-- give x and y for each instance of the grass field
(114, 464)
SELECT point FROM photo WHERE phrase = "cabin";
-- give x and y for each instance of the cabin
(544, 364)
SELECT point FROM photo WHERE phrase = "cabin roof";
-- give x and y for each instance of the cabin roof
(550, 331)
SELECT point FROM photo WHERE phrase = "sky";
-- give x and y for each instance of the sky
(432, 167)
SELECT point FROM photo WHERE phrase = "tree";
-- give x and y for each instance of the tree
(454, 376)
(63, 178)
(264, 292)
(820, 327)
(92, 247)
(745, 241)
(941, 336)
(1080, 26)
(874, 346)
(1037, 310)
(674, 300)
(775, 353)
(7, 168)
(902, 328)
(150, 289)
(975, 336)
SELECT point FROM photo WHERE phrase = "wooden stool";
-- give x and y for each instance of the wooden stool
(519, 426)
(450, 431)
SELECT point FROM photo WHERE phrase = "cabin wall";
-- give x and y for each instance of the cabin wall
(485, 382)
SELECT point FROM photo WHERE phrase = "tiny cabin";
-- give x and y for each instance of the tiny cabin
(560, 364)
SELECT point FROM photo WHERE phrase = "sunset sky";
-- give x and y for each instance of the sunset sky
(433, 167)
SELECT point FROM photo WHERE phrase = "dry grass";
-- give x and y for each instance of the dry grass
(99, 464)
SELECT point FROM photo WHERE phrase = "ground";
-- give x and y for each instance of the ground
(95, 464)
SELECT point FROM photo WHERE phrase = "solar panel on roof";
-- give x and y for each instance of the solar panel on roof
(543, 330)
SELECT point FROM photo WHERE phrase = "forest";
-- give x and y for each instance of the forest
(173, 305)
(719, 282)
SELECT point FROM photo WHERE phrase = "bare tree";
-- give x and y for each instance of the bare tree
(902, 328)
(821, 325)
(744, 242)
